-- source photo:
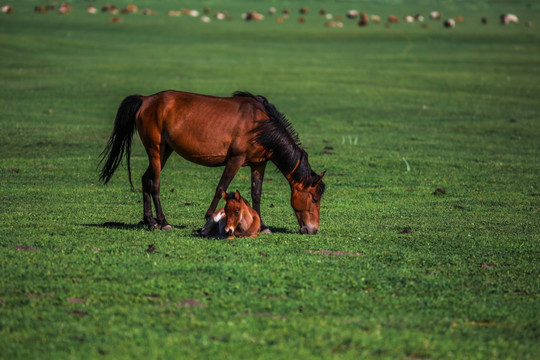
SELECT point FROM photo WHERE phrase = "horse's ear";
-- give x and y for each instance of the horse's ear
(319, 178)
(224, 195)
(237, 195)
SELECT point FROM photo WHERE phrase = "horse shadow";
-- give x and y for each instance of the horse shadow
(124, 226)
(142, 226)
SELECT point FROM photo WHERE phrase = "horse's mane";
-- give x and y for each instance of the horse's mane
(278, 127)
(279, 138)
(276, 135)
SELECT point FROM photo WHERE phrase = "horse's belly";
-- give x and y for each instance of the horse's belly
(202, 153)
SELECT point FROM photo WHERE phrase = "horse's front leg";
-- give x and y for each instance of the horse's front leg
(257, 176)
(231, 168)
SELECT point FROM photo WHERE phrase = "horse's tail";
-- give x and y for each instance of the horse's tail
(120, 140)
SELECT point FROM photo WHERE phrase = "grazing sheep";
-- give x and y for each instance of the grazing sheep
(333, 24)
(508, 18)
(110, 9)
(435, 15)
(375, 18)
(6, 9)
(64, 8)
(450, 23)
(132, 8)
(408, 18)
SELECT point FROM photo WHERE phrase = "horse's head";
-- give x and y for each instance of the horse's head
(233, 211)
(306, 202)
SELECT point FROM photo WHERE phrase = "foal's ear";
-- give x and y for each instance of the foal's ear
(224, 195)
(237, 195)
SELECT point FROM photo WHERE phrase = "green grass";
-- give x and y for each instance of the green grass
(396, 271)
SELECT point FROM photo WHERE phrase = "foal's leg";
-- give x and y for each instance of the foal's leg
(233, 165)
(158, 158)
(257, 175)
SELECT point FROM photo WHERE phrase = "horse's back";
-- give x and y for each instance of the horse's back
(202, 128)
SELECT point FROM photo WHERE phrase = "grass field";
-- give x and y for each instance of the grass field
(429, 241)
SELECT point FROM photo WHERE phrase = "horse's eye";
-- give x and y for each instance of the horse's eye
(315, 200)
(236, 212)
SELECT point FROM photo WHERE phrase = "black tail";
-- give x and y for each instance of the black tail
(120, 140)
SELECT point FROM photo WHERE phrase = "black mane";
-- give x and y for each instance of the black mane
(279, 138)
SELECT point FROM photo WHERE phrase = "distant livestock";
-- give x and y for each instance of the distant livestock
(333, 24)
(450, 23)
(64, 8)
(508, 18)
(351, 14)
(253, 15)
(151, 12)
(435, 15)
(131, 8)
(361, 17)
(364, 20)
(110, 9)
(6, 9)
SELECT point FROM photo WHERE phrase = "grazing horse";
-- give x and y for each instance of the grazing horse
(236, 219)
(242, 130)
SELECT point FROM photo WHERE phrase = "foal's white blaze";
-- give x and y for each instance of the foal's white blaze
(231, 228)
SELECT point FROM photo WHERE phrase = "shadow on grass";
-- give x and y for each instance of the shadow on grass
(279, 230)
(124, 226)
(274, 230)
(140, 225)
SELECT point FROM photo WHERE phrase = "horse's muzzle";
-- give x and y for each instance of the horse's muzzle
(308, 230)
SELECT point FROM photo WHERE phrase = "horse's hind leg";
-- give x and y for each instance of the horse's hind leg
(151, 187)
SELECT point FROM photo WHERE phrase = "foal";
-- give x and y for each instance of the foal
(236, 219)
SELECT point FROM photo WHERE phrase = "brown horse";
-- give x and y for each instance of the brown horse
(242, 130)
(236, 219)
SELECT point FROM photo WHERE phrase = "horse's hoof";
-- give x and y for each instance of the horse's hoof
(153, 226)
(166, 227)
(266, 231)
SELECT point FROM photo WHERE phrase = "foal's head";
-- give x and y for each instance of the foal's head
(234, 207)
